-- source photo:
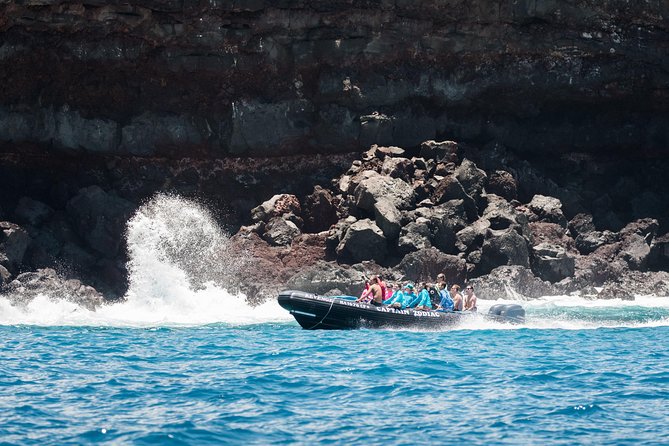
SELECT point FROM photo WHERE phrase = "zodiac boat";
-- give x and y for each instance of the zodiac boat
(312, 312)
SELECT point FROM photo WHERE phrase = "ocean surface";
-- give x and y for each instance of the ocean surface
(182, 364)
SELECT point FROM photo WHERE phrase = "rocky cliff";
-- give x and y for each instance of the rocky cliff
(104, 103)
(255, 77)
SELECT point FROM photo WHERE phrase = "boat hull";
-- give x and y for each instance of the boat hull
(319, 312)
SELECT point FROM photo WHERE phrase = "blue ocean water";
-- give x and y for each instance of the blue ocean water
(275, 383)
(182, 361)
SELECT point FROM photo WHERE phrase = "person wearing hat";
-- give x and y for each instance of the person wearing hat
(435, 298)
(422, 301)
(401, 298)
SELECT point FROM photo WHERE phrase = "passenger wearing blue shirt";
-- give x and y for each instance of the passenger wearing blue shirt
(394, 298)
(446, 303)
(401, 298)
(422, 301)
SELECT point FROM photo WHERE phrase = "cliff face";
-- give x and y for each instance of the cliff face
(104, 103)
(254, 78)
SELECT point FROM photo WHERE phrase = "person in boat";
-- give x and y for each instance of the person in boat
(435, 297)
(470, 298)
(422, 300)
(446, 303)
(375, 294)
(391, 290)
(402, 298)
(458, 301)
(364, 297)
(384, 287)
(441, 284)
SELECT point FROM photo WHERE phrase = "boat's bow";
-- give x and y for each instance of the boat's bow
(312, 311)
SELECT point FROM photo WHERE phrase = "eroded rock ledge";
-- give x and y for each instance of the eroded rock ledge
(562, 105)
(411, 218)
(482, 216)
(189, 78)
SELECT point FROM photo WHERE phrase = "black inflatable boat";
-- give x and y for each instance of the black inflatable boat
(342, 312)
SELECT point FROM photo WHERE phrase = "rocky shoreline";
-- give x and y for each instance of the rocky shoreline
(384, 211)
(522, 145)
(411, 218)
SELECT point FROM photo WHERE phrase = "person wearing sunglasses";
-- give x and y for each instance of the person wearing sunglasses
(470, 299)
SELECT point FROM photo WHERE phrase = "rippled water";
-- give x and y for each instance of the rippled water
(275, 383)
(182, 364)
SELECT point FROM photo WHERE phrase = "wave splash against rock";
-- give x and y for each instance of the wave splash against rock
(172, 240)
(180, 272)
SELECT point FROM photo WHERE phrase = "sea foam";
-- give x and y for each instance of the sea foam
(180, 272)
(181, 269)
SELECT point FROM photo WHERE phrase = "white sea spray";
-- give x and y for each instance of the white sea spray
(180, 270)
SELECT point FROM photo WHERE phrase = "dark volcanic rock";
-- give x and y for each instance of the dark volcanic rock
(645, 227)
(14, 241)
(319, 210)
(635, 251)
(551, 262)
(388, 218)
(503, 183)
(660, 252)
(280, 232)
(449, 188)
(363, 240)
(369, 187)
(276, 206)
(100, 218)
(414, 236)
(401, 168)
(381, 152)
(425, 264)
(511, 282)
(446, 151)
(445, 220)
(547, 209)
(263, 269)
(615, 291)
(5, 275)
(617, 257)
(581, 224)
(552, 233)
(472, 178)
(502, 215)
(472, 237)
(590, 241)
(636, 239)
(503, 247)
(32, 212)
(265, 77)
(27, 286)
(325, 278)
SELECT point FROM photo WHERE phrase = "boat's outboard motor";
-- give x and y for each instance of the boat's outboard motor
(513, 313)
